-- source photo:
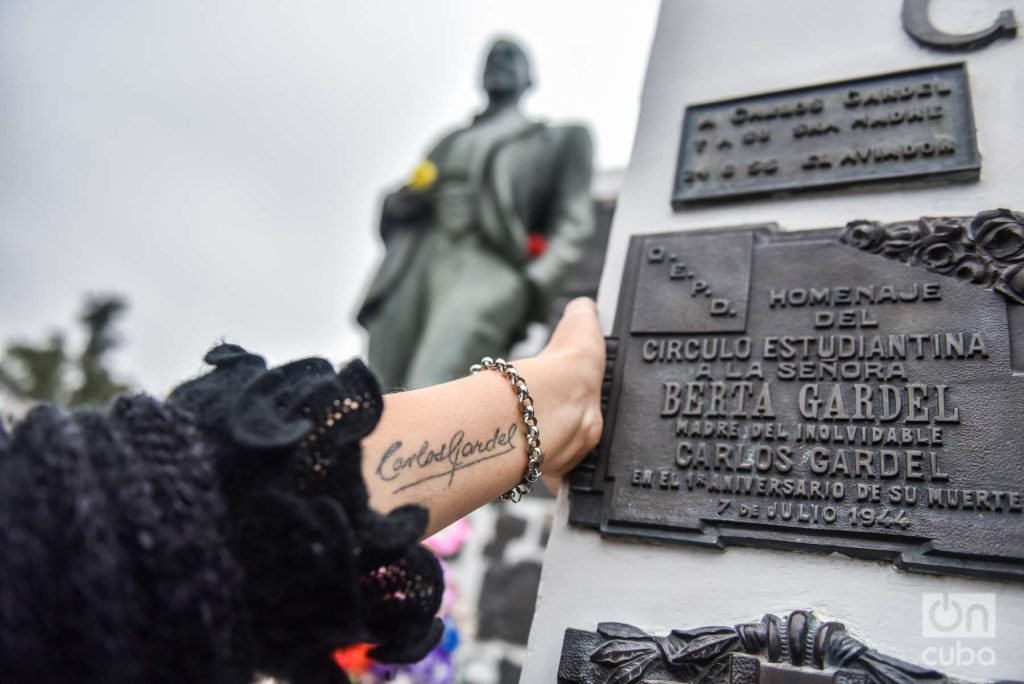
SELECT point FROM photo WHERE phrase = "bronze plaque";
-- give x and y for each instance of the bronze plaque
(853, 389)
(908, 127)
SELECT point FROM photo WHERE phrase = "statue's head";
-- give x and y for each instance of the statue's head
(506, 71)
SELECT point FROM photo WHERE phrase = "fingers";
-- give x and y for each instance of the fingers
(579, 326)
(581, 304)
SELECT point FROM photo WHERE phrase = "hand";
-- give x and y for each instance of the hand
(404, 209)
(565, 382)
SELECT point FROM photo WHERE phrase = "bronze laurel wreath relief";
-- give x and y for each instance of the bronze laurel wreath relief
(986, 250)
(622, 654)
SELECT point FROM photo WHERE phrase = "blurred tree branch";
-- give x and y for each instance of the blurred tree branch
(48, 373)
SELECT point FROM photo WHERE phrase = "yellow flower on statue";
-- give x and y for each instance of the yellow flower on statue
(424, 175)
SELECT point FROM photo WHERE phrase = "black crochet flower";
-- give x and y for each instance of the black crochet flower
(323, 569)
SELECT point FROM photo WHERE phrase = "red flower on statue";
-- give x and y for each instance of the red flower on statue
(536, 244)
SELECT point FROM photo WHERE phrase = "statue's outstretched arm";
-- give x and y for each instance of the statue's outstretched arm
(571, 221)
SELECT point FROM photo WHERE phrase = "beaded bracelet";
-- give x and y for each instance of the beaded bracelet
(534, 452)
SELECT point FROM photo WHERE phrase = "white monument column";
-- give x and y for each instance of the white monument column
(710, 50)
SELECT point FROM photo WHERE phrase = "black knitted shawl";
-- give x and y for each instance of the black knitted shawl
(222, 533)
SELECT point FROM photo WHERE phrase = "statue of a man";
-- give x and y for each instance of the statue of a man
(480, 240)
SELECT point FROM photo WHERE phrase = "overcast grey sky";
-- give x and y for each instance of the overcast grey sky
(220, 163)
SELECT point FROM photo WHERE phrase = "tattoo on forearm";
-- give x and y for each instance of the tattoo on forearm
(456, 453)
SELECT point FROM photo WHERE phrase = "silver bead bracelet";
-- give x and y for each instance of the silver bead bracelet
(534, 452)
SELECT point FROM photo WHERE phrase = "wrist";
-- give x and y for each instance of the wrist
(569, 418)
(534, 453)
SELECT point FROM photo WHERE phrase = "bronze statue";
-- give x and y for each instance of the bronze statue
(480, 239)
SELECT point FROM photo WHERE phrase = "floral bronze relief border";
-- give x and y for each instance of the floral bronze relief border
(986, 250)
(748, 653)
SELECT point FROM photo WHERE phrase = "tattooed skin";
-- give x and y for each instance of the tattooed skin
(456, 453)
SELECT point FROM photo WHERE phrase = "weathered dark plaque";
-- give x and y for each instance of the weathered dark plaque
(854, 389)
(908, 127)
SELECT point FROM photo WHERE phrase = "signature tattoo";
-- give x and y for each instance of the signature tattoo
(456, 453)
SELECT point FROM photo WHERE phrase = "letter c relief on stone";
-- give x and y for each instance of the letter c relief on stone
(919, 27)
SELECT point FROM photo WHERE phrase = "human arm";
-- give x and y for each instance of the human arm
(453, 447)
